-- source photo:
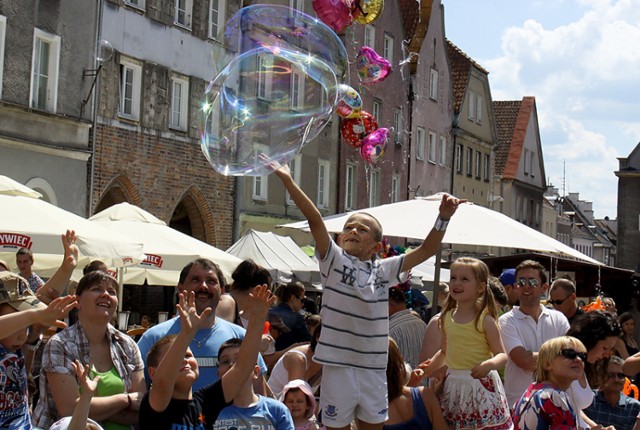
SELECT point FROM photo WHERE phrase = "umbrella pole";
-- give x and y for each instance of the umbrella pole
(436, 282)
(120, 287)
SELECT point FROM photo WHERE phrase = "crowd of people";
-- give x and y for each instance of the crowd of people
(496, 354)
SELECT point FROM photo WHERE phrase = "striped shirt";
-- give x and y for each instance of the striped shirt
(407, 329)
(355, 313)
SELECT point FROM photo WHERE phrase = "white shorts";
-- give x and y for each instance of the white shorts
(347, 393)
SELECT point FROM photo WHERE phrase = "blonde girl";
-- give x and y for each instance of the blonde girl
(473, 396)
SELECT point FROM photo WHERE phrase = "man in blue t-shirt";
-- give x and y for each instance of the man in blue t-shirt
(204, 278)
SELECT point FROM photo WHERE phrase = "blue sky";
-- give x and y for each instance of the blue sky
(580, 59)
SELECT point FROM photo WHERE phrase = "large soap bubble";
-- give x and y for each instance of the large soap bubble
(277, 91)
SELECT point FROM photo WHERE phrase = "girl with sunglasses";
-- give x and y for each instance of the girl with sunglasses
(546, 404)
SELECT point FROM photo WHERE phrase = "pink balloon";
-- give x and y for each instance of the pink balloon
(374, 144)
(371, 66)
(335, 13)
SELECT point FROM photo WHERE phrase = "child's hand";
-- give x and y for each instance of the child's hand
(260, 300)
(416, 377)
(71, 250)
(426, 369)
(88, 386)
(189, 318)
(481, 370)
(449, 205)
(57, 310)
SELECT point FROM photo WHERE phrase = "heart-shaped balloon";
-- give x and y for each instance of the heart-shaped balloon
(353, 130)
(335, 13)
(366, 11)
(371, 66)
(349, 102)
(374, 144)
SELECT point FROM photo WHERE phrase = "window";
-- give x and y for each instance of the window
(137, 3)
(323, 183)
(487, 159)
(370, 36)
(374, 185)
(388, 48)
(295, 166)
(377, 110)
(532, 157)
(395, 188)
(44, 71)
(297, 89)
(443, 150)
(420, 142)
(479, 102)
(350, 187)
(472, 105)
(216, 17)
(260, 183)
(179, 103)
(432, 146)
(433, 85)
(458, 158)
(469, 161)
(397, 125)
(130, 84)
(526, 162)
(183, 13)
(3, 32)
(478, 164)
(265, 64)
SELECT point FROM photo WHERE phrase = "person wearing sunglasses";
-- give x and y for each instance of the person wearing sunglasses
(526, 327)
(545, 404)
(562, 296)
(610, 407)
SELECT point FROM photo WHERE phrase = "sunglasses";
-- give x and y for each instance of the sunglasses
(557, 302)
(532, 282)
(572, 354)
(613, 375)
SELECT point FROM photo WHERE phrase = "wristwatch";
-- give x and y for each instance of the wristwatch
(441, 224)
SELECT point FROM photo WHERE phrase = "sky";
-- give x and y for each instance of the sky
(580, 59)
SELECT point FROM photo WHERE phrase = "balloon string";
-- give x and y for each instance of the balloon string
(367, 170)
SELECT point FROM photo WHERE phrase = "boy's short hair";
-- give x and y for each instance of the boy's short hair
(377, 226)
(153, 356)
(234, 342)
(15, 292)
(25, 251)
(532, 264)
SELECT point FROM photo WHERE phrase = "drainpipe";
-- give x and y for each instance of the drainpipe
(412, 97)
(94, 112)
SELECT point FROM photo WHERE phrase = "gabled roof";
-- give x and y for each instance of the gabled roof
(460, 65)
(415, 20)
(512, 121)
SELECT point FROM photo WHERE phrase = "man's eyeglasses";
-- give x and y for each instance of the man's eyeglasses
(558, 302)
(532, 282)
(614, 375)
(572, 354)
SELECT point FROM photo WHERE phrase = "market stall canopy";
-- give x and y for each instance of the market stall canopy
(427, 269)
(280, 254)
(471, 225)
(167, 250)
(29, 222)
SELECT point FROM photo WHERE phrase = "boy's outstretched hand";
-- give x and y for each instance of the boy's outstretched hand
(449, 205)
(189, 318)
(56, 311)
(260, 300)
(71, 250)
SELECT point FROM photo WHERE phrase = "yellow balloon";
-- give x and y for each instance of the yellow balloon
(369, 11)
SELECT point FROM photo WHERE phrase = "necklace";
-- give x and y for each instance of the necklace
(199, 342)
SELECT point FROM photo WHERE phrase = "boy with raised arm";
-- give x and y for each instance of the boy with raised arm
(170, 403)
(354, 340)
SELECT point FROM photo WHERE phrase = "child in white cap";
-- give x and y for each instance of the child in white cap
(299, 399)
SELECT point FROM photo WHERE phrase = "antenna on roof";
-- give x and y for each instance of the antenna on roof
(564, 177)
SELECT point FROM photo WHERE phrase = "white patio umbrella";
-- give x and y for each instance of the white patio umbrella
(471, 225)
(427, 269)
(32, 223)
(9, 187)
(167, 249)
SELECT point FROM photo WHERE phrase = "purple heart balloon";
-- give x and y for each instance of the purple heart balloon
(374, 144)
(371, 66)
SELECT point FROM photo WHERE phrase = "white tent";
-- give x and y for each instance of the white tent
(280, 254)
(471, 225)
(427, 269)
(32, 223)
(167, 250)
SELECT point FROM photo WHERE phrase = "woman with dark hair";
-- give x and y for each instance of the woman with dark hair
(113, 356)
(245, 277)
(297, 363)
(599, 332)
(290, 302)
(410, 408)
